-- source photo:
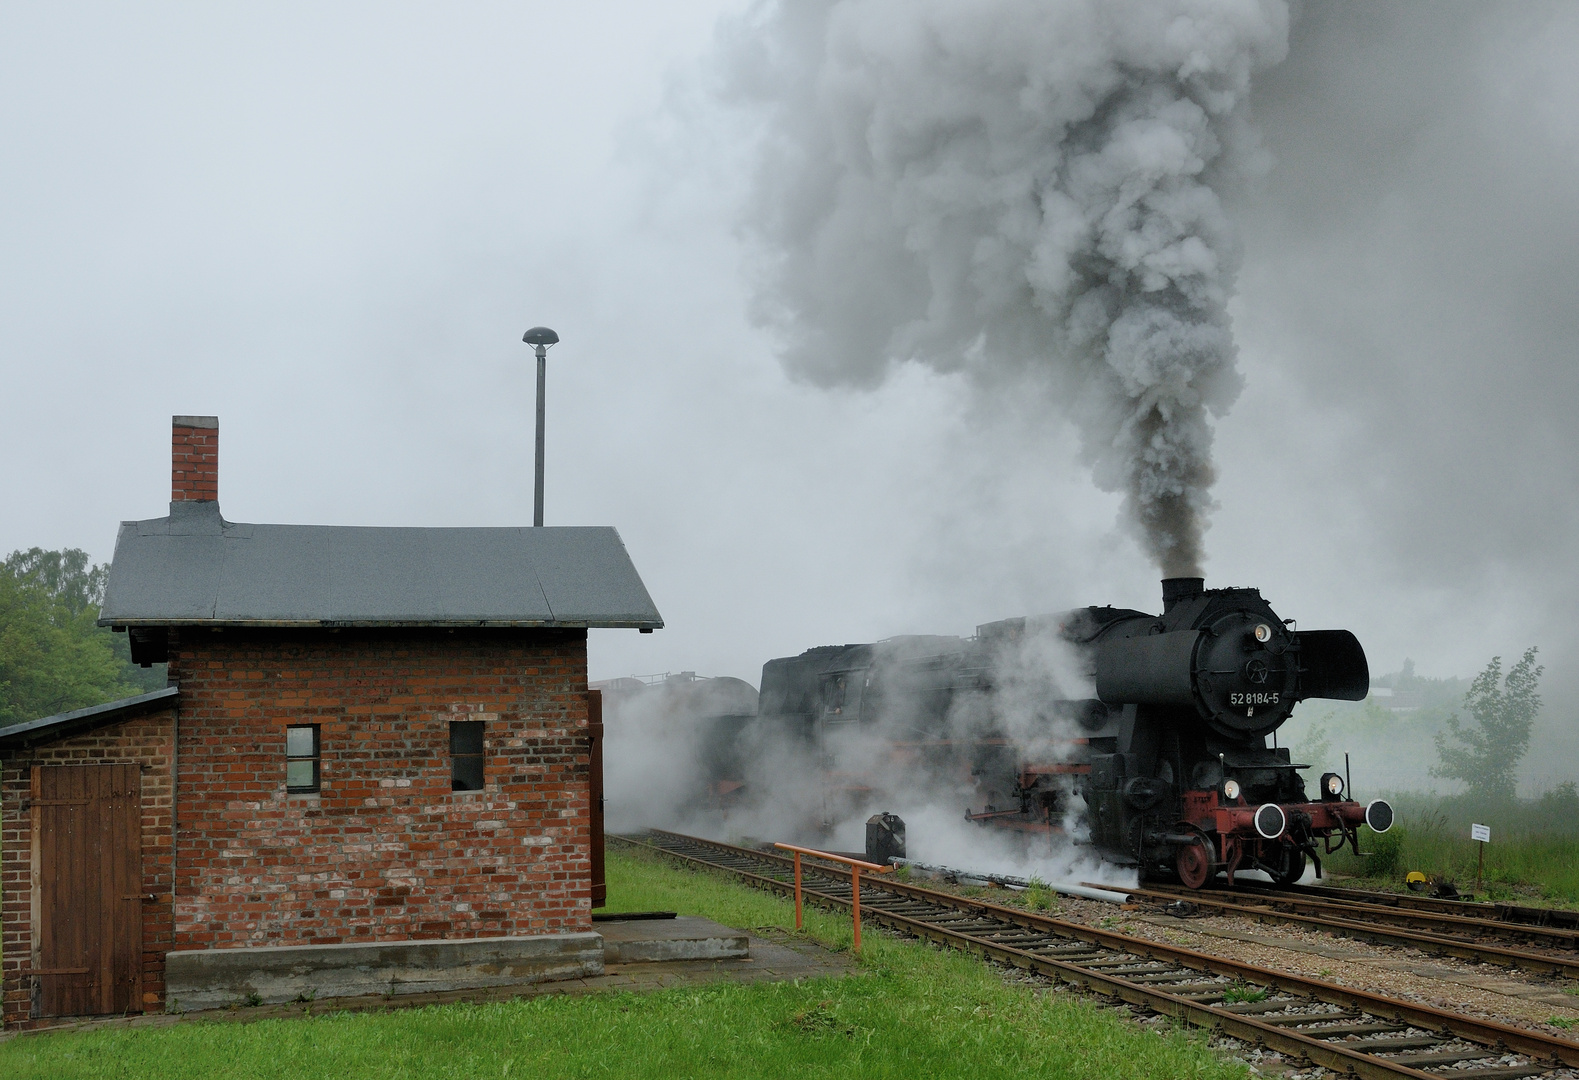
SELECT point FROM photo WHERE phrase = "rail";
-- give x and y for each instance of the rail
(855, 865)
(1513, 914)
(1427, 931)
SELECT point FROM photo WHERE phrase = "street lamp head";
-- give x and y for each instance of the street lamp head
(540, 336)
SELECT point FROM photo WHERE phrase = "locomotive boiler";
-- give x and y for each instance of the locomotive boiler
(1167, 768)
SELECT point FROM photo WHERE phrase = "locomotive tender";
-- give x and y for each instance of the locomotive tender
(1170, 757)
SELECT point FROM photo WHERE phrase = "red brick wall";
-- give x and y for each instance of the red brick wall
(386, 851)
(194, 463)
(146, 740)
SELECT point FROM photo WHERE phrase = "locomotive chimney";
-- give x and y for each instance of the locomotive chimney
(1175, 589)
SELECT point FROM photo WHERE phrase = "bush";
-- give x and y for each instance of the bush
(1384, 856)
(1559, 807)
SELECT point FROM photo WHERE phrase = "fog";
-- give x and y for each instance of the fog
(331, 226)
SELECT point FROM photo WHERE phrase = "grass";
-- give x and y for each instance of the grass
(1038, 897)
(1533, 856)
(1241, 991)
(913, 1010)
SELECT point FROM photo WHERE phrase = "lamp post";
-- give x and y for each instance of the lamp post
(541, 337)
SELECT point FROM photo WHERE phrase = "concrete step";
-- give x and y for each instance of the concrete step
(688, 937)
(268, 975)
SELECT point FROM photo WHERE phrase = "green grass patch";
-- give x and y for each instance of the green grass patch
(1533, 856)
(1036, 897)
(913, 1010)
(1241, 991)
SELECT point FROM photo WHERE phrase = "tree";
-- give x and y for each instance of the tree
(1314, 747)
(1488, 751)
(53, 657)
(67, 576)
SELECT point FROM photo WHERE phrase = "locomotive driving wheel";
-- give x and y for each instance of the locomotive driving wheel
(1195, 863)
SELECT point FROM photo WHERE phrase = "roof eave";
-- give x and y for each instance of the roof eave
(121, 622)
(49, 728)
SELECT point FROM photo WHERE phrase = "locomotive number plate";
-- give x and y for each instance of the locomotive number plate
(1252, 699)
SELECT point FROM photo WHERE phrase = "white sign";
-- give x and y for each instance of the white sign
(1480, 832)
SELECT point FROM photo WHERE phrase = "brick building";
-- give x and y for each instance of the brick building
(374, 740)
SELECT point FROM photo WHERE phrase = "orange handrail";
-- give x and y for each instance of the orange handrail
(855, 865)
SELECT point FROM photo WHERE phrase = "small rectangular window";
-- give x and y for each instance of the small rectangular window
(833, 690)
(466, 755)
(301, 758)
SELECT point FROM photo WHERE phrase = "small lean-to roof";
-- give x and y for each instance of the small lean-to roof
(196, 569)
(50, 728)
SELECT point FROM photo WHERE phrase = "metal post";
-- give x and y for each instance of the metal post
(855, 902)
(797, 890)
(855, 865)
(1480, 866)
(537, 502)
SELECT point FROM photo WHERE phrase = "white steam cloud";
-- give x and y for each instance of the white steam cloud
(1023, 191)
(929, 728)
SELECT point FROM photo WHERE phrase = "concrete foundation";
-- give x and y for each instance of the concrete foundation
(643, 941)
(215, 978)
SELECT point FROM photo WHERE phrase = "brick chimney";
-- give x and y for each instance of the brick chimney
(194, 459)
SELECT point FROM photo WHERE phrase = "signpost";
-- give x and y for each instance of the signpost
(1481, 834)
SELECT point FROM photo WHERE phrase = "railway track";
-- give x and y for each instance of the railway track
(1504, 913)
(1350, 1031)
(1474, 937)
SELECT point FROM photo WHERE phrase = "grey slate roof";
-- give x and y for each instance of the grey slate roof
(195, 568)
(50, 728)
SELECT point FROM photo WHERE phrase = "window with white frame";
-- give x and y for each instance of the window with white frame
(301, 759)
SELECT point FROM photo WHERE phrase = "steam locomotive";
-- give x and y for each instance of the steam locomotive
(1169, 758)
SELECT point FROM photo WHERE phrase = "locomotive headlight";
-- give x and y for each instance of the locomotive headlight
(1263, 633)
(1231, 789)
(1331, 785)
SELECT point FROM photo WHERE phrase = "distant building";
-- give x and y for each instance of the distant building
(1398, 701)
(372, 737)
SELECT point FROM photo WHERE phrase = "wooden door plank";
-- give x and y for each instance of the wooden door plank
(94, 875)
(36, 888)
(112, 989)
(66, 900)
(83, 902)
(105, 886)
(127, 895)
(57, 856)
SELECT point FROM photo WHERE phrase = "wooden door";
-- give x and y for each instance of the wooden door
(88, 869)
(600, 889)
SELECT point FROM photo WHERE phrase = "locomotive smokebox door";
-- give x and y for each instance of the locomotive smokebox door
(885, 838)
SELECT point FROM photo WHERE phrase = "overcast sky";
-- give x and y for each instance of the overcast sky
(330, 225)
